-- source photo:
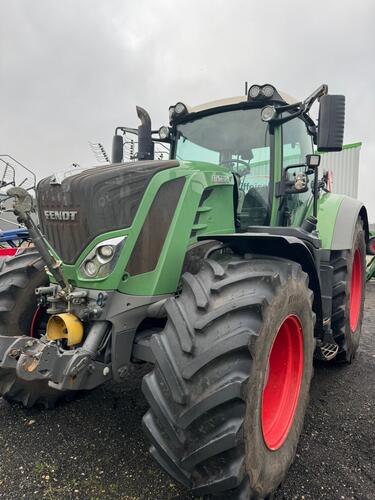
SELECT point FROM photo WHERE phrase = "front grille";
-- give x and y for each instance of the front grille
(104, 199)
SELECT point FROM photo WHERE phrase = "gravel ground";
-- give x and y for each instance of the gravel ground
(93, 448)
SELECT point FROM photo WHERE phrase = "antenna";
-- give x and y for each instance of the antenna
(99, 152)
(246, 87)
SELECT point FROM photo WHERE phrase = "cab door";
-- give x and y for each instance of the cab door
(296, 144)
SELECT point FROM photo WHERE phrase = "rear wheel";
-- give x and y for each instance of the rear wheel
(349, 280)
(231, 380)
(20, 315)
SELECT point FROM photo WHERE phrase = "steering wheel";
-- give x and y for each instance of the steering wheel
(239, 162)
(235, 160)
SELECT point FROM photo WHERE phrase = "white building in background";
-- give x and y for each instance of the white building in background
(344, 166)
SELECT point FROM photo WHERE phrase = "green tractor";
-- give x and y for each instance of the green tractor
(227, 268)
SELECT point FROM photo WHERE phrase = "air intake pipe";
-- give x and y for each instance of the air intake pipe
(117, 148)
(145, 144)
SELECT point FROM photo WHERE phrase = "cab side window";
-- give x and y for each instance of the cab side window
(297, 143)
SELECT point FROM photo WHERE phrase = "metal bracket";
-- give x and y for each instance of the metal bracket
(35, 359)
(23, 203)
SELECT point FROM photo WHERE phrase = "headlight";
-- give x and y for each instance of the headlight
(254, 91)
(268, 91)
(180, 108)
(164, 132)
(106, 252)
(101, 261)
(268, 113)
(91, 268)
(260, 92)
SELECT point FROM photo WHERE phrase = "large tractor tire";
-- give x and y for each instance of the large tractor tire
(349, 281)
(230, 385)
(19, 315)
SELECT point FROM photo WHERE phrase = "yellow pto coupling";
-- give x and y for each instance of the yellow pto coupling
(65, 326)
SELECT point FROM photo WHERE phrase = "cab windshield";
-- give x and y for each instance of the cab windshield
(240, 141)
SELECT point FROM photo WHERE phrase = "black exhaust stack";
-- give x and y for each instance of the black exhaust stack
(117, 148)
(145, 144)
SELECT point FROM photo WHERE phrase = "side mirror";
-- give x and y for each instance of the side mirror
(331, 123)
(117, 149)
(145, 144)
(299, 183)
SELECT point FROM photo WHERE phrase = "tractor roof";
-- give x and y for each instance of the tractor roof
(233, 100)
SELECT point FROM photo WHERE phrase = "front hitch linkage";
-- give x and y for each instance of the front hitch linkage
(23, 206)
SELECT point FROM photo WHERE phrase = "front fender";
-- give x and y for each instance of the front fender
(287, 247)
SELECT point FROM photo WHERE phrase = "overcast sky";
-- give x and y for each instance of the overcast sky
(72, 70)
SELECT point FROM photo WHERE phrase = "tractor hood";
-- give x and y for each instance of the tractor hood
(79, 208)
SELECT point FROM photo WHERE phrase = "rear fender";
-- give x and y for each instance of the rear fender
(337, 217)
(287, 247)
(349, 212)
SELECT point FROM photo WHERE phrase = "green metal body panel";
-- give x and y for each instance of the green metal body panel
(215, 215)
(328, 208)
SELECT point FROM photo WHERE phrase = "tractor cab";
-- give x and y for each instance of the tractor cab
(265, 140)
(239, 140)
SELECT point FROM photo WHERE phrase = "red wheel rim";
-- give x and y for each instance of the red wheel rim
(281, 392)
(355, 291)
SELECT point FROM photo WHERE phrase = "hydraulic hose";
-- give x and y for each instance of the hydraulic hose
(22, 207)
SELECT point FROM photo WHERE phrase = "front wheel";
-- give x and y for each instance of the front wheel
(230, 385)
(20, 315)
